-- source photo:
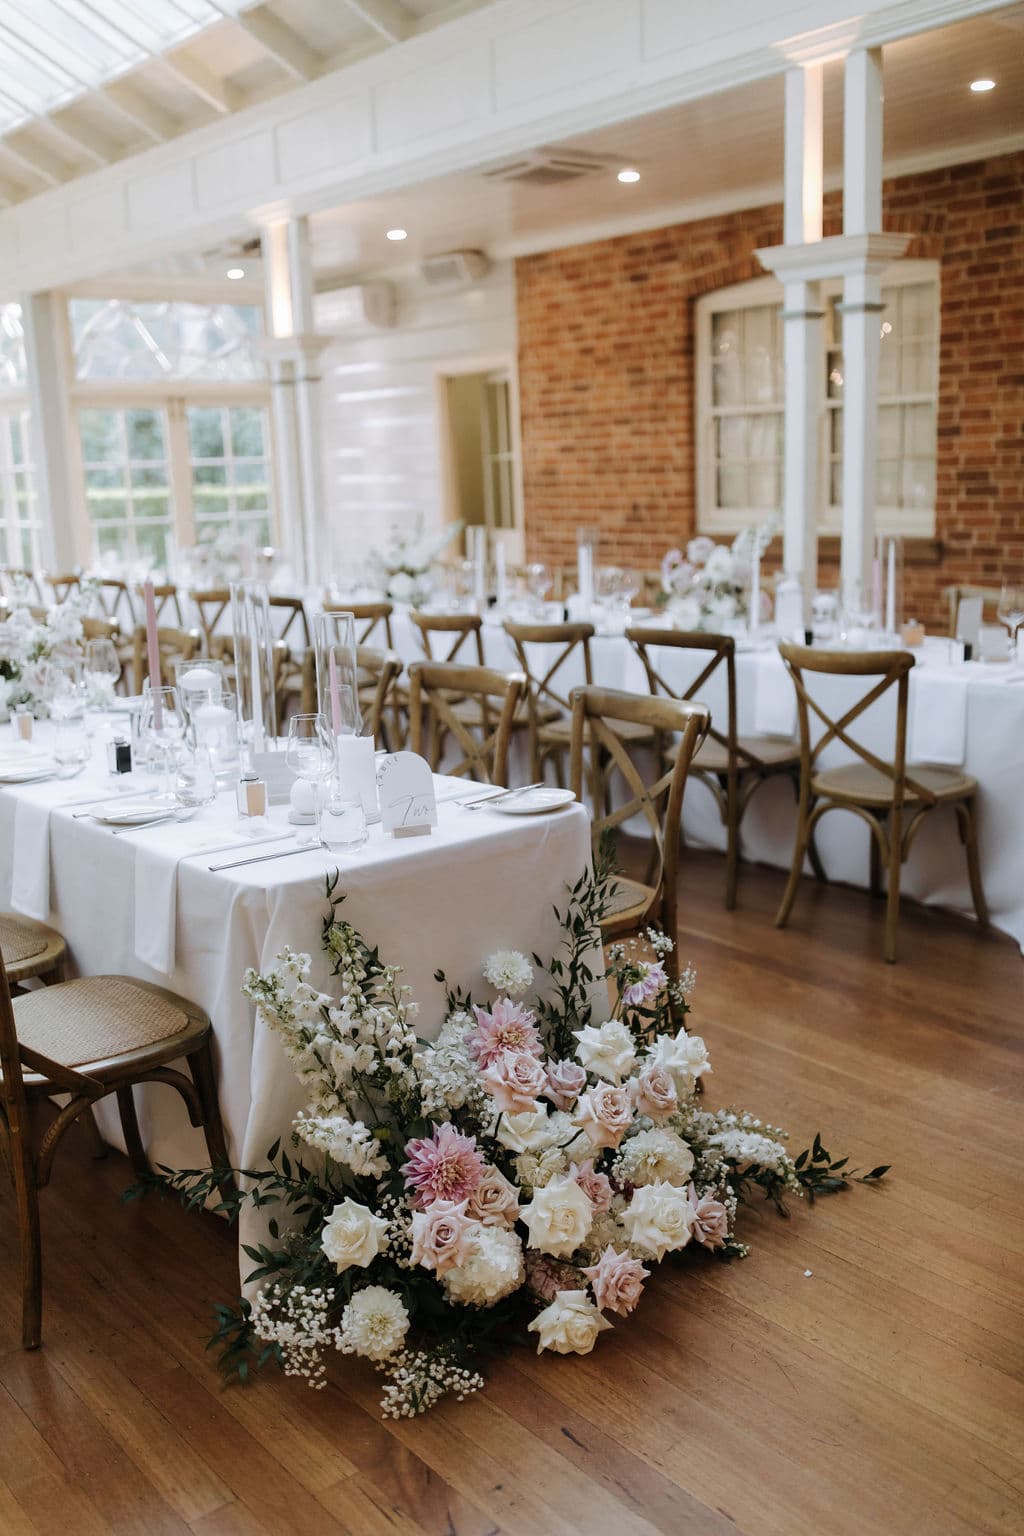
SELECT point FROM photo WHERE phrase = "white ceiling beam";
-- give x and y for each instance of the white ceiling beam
(279, 40)
(130, 104)
(219, 94)
(82, 139)
(388, 17)
(38, 160)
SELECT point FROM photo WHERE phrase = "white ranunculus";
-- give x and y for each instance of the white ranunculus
(374, 1323)
(659, 1219)
(352, 1234)
(494, 1269)
(654, 1157)
(719, 564)
(607, 1050)
(570, 1325)
(558, 1217)
(685, 1056)
(526, 1132)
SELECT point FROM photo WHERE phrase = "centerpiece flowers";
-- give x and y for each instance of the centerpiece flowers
(404, 565)
(28, 647)
(709, 587)
(517, 1179)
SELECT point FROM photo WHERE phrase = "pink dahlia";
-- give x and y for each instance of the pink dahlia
(444, 1166)
(649, 982)
(508, 1027)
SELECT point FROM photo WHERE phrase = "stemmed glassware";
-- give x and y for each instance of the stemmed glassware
(162, 730)
(1011, 613)
(64, 684)
(538, 579)
(102, 671)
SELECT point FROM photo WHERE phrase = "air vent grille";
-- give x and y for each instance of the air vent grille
(549, 167)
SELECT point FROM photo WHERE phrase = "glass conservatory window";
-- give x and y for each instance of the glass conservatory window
(19, 521)
(13, 372)
(121, 339)
(230, 472)
(128, 483)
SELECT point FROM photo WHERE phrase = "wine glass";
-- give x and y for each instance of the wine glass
(310, 751)
(64, 685)
(1011, 612)
(538, 579)
(102, 671)
(162, 730)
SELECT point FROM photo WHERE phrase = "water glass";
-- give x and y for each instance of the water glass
(195, 782)
(102, 671)
(1010, 611)
(342, 820)
(162, 731)
(70, 742)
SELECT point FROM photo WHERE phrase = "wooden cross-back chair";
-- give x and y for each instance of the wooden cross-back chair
(732, 766)
(371, 616)
(597, 714)
(30, 949)
(292, 632)
(173, 645)
(436, 689)
(61, 586)
(86, 1039)
(116, 600)
(101, 629)
(165, 595)
(377, 673)
(461, 632)
(211, 605)
(891, 795)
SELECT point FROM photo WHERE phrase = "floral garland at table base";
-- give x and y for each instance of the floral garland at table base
(519, 1177)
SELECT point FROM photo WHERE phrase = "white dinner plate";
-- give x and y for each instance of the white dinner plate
(26, 770)
(534, 802)
(135, 813)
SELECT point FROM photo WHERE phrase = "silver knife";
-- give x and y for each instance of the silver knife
(282, 853)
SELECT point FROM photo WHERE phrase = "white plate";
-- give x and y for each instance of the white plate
(133, 814)
(534, 802)
(29, 772)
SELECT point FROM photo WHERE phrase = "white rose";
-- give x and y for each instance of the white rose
(494, 1269)
(525, 1132)
(685, 1056)
(659, 1219)
(558, 1217)
(608, 1051)
(352, 1234)
(570, 1325)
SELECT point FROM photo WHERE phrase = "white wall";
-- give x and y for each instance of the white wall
(380, 402)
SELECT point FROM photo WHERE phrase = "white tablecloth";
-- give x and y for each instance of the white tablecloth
(481, 881)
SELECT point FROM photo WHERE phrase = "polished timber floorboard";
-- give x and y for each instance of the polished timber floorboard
(881, 1393)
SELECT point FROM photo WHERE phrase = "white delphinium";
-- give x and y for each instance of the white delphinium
(295, 1319)
(652, 1157)
(493, 1270)
(349, 1142)
(749, 1149)
(374, 1323)
(509, 971)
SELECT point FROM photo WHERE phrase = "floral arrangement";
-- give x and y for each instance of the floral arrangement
(517, 1178)
(28, 647)
(709, 587)
(403, 567)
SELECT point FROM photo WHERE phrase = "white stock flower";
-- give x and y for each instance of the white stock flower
(352, 1234)
(654, 1157)
(607, 1050)
(374, 1323)
(525, 1132)
(493, 1269)
(570, 1325)
(685, 1056)
(558, 1217)
(659, 1219)
(748, 1149)
(509, 971)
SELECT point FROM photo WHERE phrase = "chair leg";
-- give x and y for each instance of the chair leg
(26, 1193)
(969, 838)
(200, 1064)
(132, 1138)
(789, 896)
(892, 909)
(732, 840)
(876, 868)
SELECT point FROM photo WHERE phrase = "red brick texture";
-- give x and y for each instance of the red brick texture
(606, 377)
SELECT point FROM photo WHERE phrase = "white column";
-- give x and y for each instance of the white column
(862, 304)
(50, 419)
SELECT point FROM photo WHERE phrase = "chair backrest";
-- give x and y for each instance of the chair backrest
(100, 629)
(370, 616)
(173, 645)
(595, 712)
(436, 688)
(211, 604)
(459, 629)
(721, 650)
(115, 599)
(62, 586)
(892, 670)
(294, 628)
(165, 594)
(382, 668)
(542, 678)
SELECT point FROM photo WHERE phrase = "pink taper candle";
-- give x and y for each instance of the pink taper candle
(335, 697)
(153, 648)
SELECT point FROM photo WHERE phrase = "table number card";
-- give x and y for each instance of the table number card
(405, 784)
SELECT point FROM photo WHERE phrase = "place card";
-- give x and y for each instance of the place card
(405, 784)
(272, 768)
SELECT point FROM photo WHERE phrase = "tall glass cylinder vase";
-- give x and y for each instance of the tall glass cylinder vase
(476, 554)
(254, 665)
(587, 546)
(337, 683)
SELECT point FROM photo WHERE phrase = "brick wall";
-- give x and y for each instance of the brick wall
(606, 358)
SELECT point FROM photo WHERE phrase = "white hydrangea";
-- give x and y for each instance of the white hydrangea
(494, 1269)
(448, 1076)
(509, 971)
(653, 1157)
(374, 1323)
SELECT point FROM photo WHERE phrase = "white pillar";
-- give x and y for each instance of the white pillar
(862, 304)
(43, 318)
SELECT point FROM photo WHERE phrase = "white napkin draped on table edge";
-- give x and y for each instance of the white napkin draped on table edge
(30, 879)
(938, 718)
(774, 698)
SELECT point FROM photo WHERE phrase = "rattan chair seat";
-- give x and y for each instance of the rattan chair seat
(29, 948)
(775, 751)
(98, 1018)
(626, 730)
(860, 784)
(19, 942)
(628, 898)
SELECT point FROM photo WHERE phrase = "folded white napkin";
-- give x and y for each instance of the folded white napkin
(774, 699)
(30, 877)
(938, 718)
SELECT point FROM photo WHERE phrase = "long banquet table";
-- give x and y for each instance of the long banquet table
(146, 904)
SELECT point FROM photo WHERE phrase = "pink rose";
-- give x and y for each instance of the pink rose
(566, 1080)
(441, 1235)
(617, 1281)
(655, 1093)
(604, 1114)
(494, 1202)
(710, 1221)
(515, 1080)
(596, 1186)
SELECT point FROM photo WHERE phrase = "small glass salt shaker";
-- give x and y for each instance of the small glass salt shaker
(252, 795)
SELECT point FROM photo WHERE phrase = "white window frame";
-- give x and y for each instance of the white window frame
(913, 522)
(15, 403)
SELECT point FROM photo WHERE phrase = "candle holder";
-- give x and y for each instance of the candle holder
(587, 547)
(337, 682)
(254, 664)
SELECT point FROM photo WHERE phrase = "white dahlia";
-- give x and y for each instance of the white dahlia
(509, 971)
(374, 1323)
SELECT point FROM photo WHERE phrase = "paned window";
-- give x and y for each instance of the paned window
(128, 483)
(230, 472)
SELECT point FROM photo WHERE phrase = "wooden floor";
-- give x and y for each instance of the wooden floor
(879, 1393)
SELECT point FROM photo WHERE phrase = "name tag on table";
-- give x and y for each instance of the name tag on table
(405, 785)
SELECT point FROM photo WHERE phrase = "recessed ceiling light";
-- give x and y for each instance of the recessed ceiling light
(629, 174)
(982, 85)
(235, 273)
(398, 234)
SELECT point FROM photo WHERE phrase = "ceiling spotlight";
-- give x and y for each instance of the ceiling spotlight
(982, 85)
(235, 273)
(398, 234)
(629, 174)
